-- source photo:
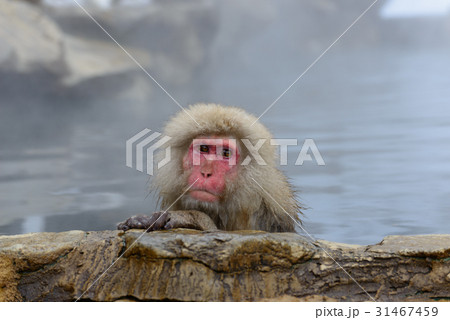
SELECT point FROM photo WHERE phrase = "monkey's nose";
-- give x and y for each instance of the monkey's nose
(206, 175)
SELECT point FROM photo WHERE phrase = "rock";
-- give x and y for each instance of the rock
(169, 39)
(188, 265)
(87, 59)
(29, 40)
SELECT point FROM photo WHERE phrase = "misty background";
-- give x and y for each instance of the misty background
(377, 105)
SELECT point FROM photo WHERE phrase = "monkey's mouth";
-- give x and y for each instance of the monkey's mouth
(203, 195)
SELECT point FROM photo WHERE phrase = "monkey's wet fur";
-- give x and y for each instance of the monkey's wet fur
(223, 191)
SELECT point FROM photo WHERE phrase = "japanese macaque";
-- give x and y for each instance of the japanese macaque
(212, 180)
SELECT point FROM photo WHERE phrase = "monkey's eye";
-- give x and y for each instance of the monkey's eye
(226, 153)
(204, 148)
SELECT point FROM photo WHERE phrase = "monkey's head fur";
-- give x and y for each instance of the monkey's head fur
(259, 197)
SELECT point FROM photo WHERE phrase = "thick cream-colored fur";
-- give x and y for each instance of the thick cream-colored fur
(245, 205)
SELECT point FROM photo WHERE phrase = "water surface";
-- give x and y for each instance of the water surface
(380, 116)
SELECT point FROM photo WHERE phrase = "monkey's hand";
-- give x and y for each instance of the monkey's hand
(190, 219)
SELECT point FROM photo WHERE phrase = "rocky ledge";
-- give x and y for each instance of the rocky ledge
(186, 265)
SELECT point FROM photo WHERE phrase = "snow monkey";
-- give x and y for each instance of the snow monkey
(214, 179)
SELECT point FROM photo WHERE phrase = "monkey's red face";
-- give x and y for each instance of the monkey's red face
(212, 162)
